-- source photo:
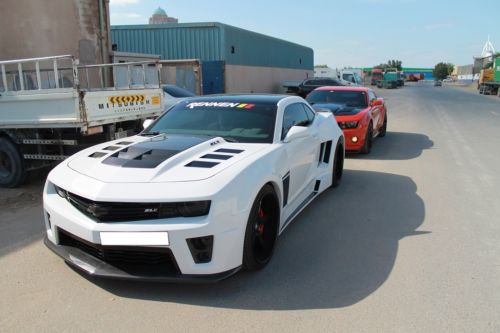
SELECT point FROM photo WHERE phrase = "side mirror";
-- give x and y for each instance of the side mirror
(146, 123)
(296, 132)
(377, 102)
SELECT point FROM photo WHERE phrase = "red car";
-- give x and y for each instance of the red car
(359, 113)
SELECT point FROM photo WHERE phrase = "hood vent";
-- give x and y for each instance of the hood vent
(201, 164)
(98, 154)
(150, 154)
(111, 148)
(139, 157)
(229, 151)
(217, 156)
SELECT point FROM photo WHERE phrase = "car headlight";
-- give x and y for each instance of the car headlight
(184, 209)
(348, 124)
(62, 193)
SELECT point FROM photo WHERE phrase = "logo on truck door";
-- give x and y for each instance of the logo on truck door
(126, 99)
(128, 103)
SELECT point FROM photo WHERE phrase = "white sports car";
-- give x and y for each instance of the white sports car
(203, 192)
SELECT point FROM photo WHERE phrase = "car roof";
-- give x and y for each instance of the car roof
(247, 98)
(344, 88)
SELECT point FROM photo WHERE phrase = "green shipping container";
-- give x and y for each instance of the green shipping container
(496, 68)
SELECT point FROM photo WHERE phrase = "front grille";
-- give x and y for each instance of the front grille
(114, 211)
(130, 211)
(131, 259)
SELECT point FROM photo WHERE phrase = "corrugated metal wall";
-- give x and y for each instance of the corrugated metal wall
(248, 48)
(212, 42)
(170, 41)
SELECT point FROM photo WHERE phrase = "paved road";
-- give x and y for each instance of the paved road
(410, 242)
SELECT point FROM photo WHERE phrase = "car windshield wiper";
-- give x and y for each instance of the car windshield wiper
(229, 139)
(150, 133)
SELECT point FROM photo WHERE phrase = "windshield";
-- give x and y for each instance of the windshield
(175, 91)
(234, 121)
(348, 77)
(349, 98)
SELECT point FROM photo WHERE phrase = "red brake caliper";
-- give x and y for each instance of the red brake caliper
(261, 225)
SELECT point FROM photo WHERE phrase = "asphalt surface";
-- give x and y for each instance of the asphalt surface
(409, 242)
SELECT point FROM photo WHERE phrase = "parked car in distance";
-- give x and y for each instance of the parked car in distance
(438, 83)
(359, 113)
(173, 94)
(203, 192)
(308, 85)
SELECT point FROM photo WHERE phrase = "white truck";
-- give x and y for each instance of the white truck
(52, 107)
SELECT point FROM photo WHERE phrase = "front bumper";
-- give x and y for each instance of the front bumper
(93, 266)
(349, 134)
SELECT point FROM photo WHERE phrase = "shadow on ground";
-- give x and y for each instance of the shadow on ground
(337, 252)
(397, 146)
(21, 215)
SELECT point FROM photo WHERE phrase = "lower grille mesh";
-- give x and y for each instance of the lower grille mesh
(131, 259)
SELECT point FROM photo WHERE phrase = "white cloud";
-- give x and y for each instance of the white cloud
(123, 2)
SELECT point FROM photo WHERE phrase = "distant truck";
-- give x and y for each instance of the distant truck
(390, 79)
(377, 75)
(52, 107)
(489, 79)
(414, 77)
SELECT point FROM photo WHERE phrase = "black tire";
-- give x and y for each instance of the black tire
(262, 230)
(367, 147)
(338, 165)
(12, 170)
(383, 130)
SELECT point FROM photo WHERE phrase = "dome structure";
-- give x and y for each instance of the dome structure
(160, 17)
(160, 11)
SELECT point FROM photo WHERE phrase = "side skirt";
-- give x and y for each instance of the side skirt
(303, 205)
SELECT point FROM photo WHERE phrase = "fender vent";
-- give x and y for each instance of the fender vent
(328, 151)
(124, 143)
(201, 164)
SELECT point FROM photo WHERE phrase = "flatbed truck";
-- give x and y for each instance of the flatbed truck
(51, 107)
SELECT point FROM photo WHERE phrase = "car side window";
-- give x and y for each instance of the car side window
(371, 95)
(309, 113)
(294, 115)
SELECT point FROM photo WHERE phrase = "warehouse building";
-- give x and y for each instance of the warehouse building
(233, 60)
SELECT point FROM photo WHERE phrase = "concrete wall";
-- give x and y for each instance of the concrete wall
(250, 79)
(39, 28)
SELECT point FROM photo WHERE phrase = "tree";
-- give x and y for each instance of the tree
(391, 64)
(442, 70)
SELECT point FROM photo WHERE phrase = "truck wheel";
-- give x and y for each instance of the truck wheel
(12, 171)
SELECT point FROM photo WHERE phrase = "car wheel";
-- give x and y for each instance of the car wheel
(262, 230)
(383, 130)
(12, 171)
(367, 147)
(338, 165)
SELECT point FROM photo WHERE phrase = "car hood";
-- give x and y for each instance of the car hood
(339, 109)
(163, 158)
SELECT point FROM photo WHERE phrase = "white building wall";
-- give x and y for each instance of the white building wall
(251, 79)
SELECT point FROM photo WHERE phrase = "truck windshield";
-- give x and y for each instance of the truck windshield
(349, 98)
(234, 121)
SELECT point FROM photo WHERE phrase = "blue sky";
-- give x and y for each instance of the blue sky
(354, 33)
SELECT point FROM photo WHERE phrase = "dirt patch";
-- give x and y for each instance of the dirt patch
(27, 195)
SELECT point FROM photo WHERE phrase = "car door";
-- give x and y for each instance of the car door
(301, 152)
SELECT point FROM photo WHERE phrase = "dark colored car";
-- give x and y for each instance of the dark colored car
(308, 85)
